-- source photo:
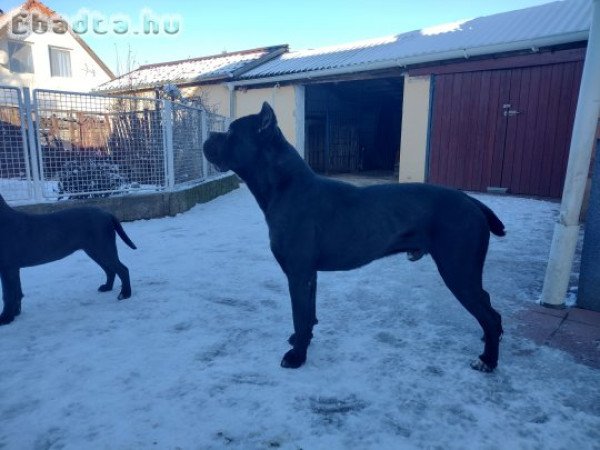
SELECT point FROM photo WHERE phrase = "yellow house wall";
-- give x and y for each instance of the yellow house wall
(214, 96)
(285, 103)
(415, 128)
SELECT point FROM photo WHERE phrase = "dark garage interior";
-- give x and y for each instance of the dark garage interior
(354, 126)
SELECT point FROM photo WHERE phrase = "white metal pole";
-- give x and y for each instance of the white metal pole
(167, 120)
(205, 132)
(34, 144)
(566, 230)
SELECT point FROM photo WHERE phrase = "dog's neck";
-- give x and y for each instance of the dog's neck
(286, 168)
(3, 205)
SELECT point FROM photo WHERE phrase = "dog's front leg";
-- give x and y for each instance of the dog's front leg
(302, 292)
(11, 295)
(313, 311)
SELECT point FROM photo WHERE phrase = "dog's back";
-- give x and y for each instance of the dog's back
(32, 239)
(383, 220)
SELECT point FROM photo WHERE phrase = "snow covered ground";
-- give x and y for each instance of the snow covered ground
(191, 361)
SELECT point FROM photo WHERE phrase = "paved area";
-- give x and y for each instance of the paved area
(573, 330)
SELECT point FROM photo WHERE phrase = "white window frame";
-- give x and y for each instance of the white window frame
(10, 57)
(58, 68)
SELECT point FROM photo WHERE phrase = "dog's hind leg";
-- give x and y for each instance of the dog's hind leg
(110, 274)
(108, 259)
(461, 270)
(110, 280)
(11, 295)
(123, 273)
(302, 292)
(19, 294)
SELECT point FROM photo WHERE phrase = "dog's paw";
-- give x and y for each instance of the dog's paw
(5, 319)
(293, 359)
(480, 366)
(124, 295)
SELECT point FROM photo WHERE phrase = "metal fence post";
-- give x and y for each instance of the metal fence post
(167, 121)
(205, 130)
(32, 143)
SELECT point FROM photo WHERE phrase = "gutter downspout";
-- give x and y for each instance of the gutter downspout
(232, 102)
(566, 230)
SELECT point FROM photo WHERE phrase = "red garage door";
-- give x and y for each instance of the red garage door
(505, 128)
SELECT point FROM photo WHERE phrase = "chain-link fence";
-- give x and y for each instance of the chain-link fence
(188, 163)
(87, 145)
(220, 124)
(93, 145)
(15, 176)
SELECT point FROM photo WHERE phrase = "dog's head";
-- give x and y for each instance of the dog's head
(245, 143)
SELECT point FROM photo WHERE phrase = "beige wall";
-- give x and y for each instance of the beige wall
(215, 97)
(86, 73)
(415, 128)
(287, 101)
(284, 102)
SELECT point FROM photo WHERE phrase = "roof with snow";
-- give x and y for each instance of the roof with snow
(208, 68)
(549, 24)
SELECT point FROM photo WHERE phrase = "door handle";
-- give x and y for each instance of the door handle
(511, 112)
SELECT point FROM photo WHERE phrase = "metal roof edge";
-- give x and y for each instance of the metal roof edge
(270, 49)
(260, 61)
(151, 86)
(432, 57)
(272, 52)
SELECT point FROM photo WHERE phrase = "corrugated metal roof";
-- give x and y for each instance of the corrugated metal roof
(560, 20)
(222, 66)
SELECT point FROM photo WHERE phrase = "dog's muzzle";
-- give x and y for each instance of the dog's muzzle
(213, 148)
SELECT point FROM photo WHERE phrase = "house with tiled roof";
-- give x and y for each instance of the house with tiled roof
(204, 78)
(38, 51)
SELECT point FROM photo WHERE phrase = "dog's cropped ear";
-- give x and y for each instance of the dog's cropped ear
(268, 121)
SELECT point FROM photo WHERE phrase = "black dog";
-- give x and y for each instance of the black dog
(31, 239)
(317, 224)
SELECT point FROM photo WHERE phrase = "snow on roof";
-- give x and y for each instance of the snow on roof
(222, 66)
(548, 24)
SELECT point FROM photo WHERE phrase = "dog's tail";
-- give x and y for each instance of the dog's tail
(495, 224)
(121, 232)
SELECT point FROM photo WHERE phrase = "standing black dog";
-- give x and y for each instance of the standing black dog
(317, 224)
(31, 239)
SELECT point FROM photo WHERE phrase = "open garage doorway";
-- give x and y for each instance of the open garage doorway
(353, 127)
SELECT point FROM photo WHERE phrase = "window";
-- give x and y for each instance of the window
(60, 62)
(19, 57)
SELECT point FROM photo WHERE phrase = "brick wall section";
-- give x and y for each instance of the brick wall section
(147, 206)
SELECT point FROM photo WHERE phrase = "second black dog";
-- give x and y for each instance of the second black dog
(316, 224)
(32, 239)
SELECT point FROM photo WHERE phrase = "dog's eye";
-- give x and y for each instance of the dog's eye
(230, 135)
